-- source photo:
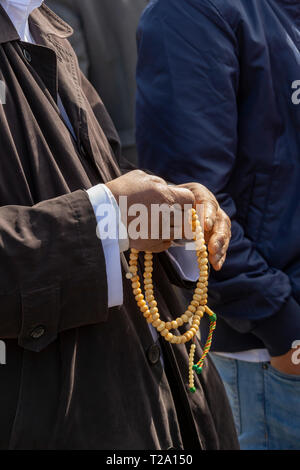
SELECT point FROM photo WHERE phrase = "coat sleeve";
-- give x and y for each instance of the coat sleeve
(187, 121)
(52, 270)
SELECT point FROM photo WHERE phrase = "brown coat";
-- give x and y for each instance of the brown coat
(78, 375)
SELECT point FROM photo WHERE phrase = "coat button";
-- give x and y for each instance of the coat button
(38, 332)
(27, 55)
(153, 354)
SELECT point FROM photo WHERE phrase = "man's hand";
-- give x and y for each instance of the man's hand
(286, 363)
(141, 188)
(217, 225)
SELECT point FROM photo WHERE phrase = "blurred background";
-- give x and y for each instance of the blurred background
(105, 42)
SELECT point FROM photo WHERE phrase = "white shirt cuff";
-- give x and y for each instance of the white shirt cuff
(108, 227)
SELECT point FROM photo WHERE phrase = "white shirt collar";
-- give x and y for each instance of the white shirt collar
(19, 11)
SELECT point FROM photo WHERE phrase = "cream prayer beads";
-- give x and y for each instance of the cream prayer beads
(195, 311)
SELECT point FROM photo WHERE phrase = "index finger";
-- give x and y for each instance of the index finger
(210, 214)
(219, 240)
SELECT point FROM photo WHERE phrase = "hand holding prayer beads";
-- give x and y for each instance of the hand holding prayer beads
(195, 311)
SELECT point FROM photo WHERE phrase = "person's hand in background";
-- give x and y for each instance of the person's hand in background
(288, 363)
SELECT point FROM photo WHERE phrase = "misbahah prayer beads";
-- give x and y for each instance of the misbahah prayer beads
(194, 312)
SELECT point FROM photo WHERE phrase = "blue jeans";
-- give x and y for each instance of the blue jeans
(265, 404)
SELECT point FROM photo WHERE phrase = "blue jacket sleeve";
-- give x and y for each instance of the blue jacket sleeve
(187, 121)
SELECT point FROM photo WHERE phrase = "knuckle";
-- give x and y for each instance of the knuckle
(157, 179)
(225, 218)
(139, 173)
(170, 196)
(228, 222)
(222, 238)
(214, 204)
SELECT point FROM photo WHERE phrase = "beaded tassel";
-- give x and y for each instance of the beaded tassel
(191, 366)
(213, 321)
(195, 311)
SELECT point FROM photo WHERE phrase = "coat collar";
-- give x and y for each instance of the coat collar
(42, 18)
(7, 30)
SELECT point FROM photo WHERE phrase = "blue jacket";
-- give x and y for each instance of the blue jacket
(218, 103)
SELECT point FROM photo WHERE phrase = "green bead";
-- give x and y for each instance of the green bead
(192, 389)
(213, 317)
(199, 370)
(195, 367)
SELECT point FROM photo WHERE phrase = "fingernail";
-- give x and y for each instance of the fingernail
(221, 262)
(218, 260)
